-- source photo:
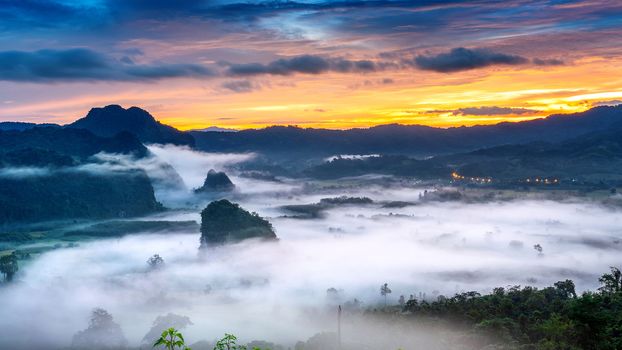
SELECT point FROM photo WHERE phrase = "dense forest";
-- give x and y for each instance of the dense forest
(223, 221)
(529, 318)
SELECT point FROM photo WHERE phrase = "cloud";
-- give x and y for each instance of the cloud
(305, 64)
(607, 103)
(240, 86)
(461, 59)
(22, 172)
(492, 110)
(470, 251)
(79, 64)
(548, 62)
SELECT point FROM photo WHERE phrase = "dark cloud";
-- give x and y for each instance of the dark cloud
(84, 64)
(486, 110)
(27, 14)
(460, 59)
(306, 64)
(493, 110)
(58, 13)
(240, 86)
(547, 62)
(255, 9)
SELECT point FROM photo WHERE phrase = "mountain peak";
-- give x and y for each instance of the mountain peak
(112, 119)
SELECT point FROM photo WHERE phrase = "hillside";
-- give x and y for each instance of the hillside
(68, 194)
(223, 222)
(41, 177)
(593, 157)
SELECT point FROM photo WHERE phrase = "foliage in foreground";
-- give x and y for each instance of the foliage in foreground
(530, 318)
(171, 339)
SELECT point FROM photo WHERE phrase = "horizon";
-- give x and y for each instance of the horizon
(304, 127)
(319, 64)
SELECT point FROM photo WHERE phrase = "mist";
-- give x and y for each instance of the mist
(277, 291)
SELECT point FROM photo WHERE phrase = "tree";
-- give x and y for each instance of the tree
(384, 291)
(228, 342)
(223, 221)
(566, 289)
(155, 262)
(102, 333)
(171, 339)
(162, 323)
(538, 248)
(8, 266)
(612, 282)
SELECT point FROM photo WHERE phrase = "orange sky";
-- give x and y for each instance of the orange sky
(343, 101)
(539, 58)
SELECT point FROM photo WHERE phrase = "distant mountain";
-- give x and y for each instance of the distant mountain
(111, 120)
(215, 129)
(414, 140)
(20, 126)
(592, 157)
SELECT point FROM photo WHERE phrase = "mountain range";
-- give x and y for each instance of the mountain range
(415, 140)
(583, 147)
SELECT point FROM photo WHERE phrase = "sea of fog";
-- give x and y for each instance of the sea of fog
(277, 291)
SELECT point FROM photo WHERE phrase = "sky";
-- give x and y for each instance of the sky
(329, 64)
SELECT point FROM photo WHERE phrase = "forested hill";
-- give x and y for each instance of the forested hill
(42, 178)
(409, 139)
(414, 140)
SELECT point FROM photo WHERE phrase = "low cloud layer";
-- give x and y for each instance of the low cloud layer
(486, 111)
(493, 110)
(80, 64)
(460, 59)
(305, 64)
(241, 86)
(277, 291)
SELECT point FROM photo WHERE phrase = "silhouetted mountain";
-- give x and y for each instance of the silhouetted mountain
(111, 120)
(593, 157)
(19, 126)
(409, 139)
